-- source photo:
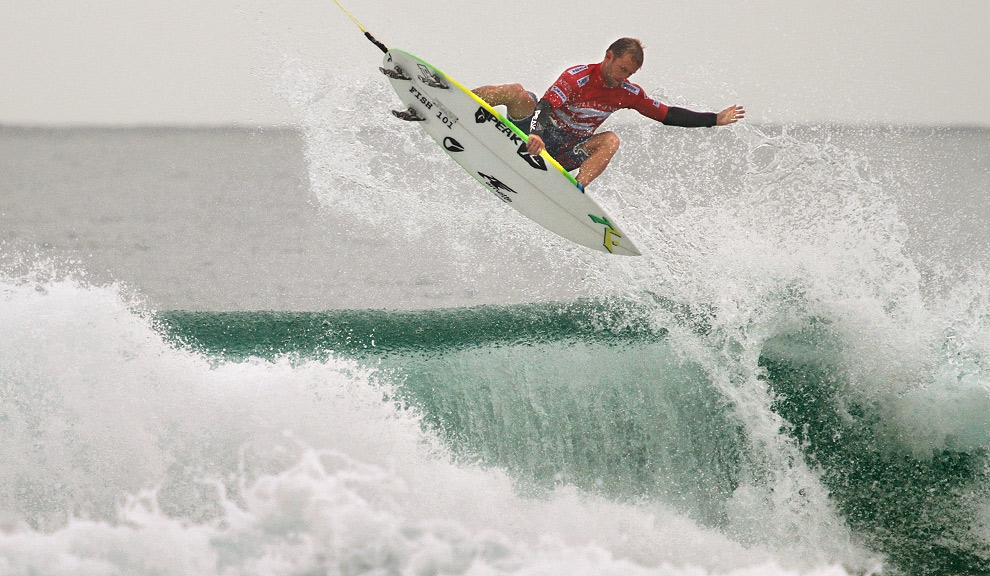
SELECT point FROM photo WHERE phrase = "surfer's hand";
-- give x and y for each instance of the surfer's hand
(535, 145)
(730, 115)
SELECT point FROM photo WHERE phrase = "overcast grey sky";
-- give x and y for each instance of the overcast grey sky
(217, 61)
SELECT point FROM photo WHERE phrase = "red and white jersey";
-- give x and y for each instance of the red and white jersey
(582, 101)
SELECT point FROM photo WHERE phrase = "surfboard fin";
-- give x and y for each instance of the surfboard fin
(409, 115)
(433, 81)
(395, 73)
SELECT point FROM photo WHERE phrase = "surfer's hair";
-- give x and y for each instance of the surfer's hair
(624, 46)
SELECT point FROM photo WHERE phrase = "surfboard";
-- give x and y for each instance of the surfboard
(493, 151)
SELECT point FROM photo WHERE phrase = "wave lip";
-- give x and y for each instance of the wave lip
(240, 335)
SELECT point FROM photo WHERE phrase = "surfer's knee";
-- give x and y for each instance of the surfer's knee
(604, 144)
(518, 95)
(502, 94)
(611, 142)
(518, 101)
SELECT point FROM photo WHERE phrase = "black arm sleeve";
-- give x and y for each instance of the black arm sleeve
(689, 119)
(541, 118)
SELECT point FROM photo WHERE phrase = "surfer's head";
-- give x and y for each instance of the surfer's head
(624, 46)
(622, 59)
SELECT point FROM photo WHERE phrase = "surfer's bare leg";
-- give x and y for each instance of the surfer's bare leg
(600, 149)
(517, 101)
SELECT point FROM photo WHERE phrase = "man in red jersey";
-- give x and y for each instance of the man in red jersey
(564, 121)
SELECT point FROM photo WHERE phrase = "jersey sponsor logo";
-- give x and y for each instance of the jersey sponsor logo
(582, 81)
(452, 145)
(631, 88)
(498, 187)
(559, 93)
(656, 103)
(577, 70)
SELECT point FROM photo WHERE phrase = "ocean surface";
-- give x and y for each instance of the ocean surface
(325, 350)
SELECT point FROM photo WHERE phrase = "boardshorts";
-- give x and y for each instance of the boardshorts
(565, 148)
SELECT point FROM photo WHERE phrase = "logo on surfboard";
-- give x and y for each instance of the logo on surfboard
(483, 115)
(535, 161)
(497, 187)
(452, 145)
(440, 111)
(610, 232)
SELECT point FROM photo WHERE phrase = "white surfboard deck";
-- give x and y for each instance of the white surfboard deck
(492, 150)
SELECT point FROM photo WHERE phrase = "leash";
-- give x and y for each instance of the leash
(367, 34)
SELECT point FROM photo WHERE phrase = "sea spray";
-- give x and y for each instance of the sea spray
(764, 220)
(387, 178)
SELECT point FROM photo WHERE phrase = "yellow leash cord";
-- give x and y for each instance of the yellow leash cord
(367, 34)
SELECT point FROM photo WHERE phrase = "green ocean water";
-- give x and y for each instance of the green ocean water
(594, 394)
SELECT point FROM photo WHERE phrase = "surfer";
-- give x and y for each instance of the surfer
(564, 121)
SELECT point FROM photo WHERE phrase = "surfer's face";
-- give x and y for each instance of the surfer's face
(618, 70)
